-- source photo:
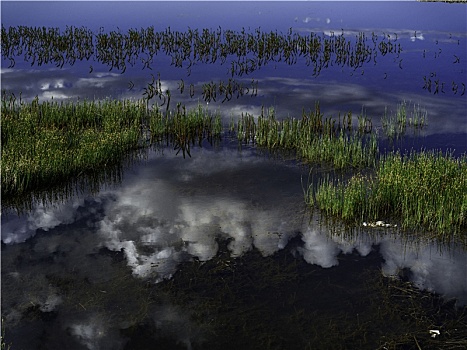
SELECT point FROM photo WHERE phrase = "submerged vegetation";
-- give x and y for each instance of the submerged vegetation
(3, 344)
(248, 51)
(276, 302)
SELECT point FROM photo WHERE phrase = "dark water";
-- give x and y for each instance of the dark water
(219, 250)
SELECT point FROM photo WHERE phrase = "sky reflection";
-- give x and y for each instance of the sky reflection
(164, 215)
(170, 210)
(430, 48)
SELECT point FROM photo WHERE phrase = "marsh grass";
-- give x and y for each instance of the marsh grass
(184, 128)
(245, 51)
(395, 125)
(45, 143)
(423, 191)
(314, 138)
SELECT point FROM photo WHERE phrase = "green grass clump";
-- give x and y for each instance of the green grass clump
(395, 125)
(420, 190)
(45, 143)
(341, 152)
(314, 138)
(183, 128)
(48, 143)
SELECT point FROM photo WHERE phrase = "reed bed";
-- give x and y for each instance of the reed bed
(314, 138)
(422, 191)
(45, 143)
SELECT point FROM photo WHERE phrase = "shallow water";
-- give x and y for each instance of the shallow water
(220, 249)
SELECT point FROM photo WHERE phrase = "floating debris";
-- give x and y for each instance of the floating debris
(378, 224)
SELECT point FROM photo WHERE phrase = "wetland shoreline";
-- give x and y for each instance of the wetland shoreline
(47, 143)
(141, 209)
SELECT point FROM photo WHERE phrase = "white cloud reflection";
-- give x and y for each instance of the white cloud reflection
(431, 268)
(160, 217)
(96, 333)
(17, 229)
(153, 214)
(417, 36)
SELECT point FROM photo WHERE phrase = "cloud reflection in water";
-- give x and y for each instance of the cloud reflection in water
(172, 210)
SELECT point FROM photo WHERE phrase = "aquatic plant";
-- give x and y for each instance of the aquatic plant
(45, 143)
(314, 138)
(264, 302)
(48, 142)
(416, 317)
(421, 191)
(395, 125)
(243, 50)
(183, 128)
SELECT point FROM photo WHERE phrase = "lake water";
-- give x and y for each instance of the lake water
(218, 250)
